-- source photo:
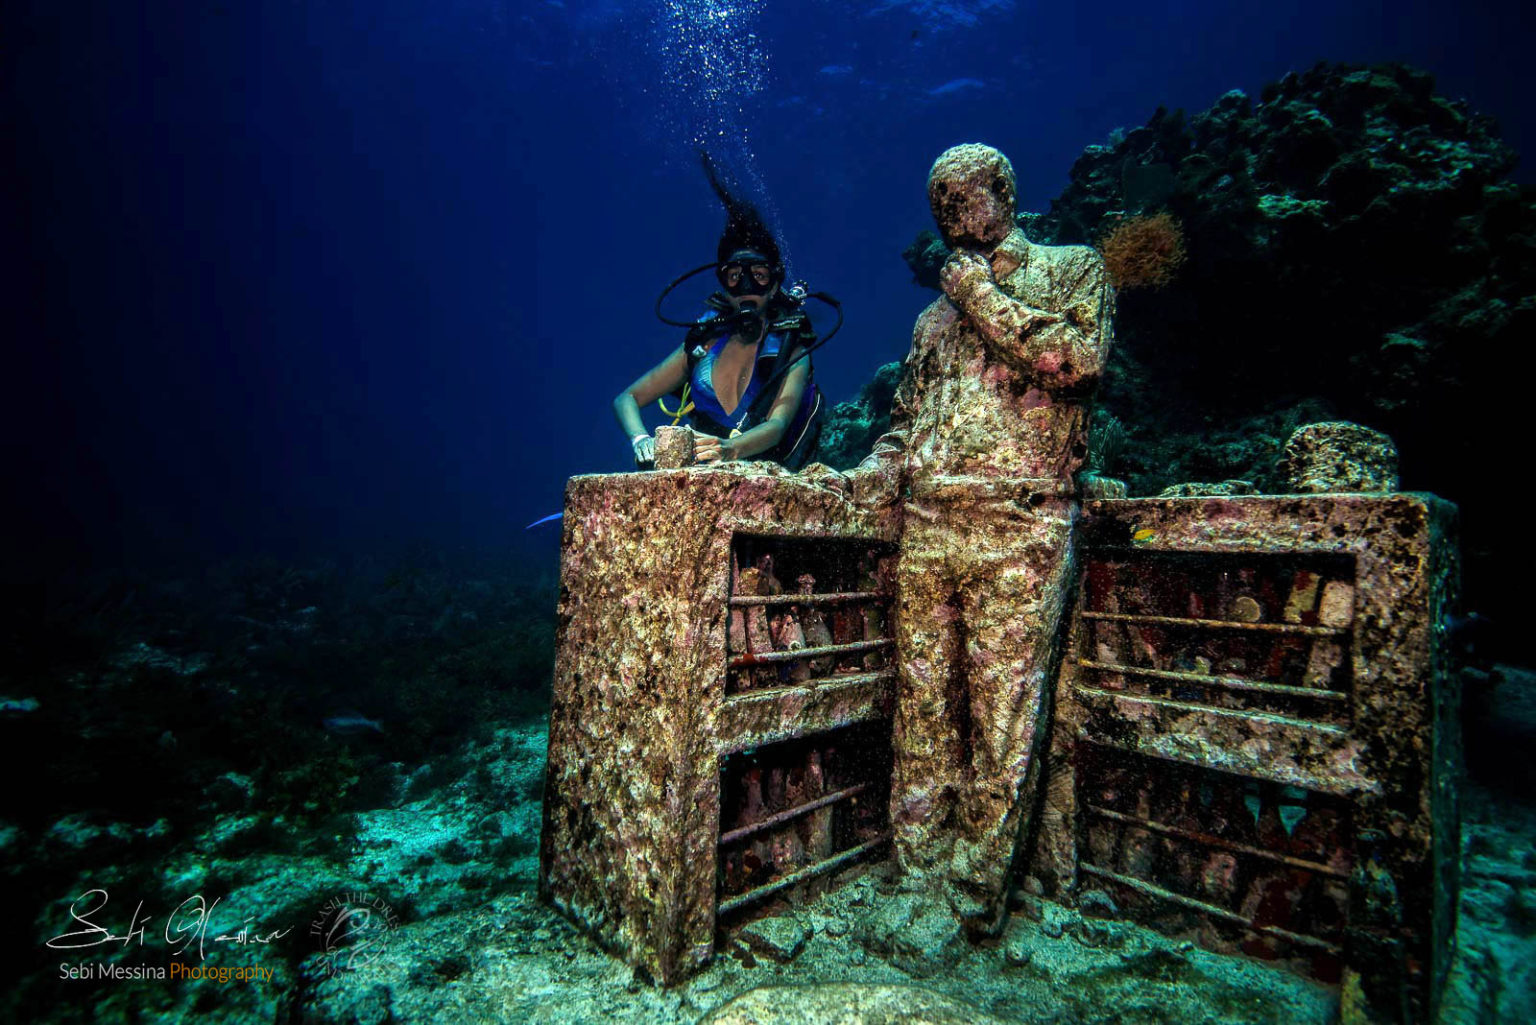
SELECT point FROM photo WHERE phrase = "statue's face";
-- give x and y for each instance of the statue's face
(971, 193)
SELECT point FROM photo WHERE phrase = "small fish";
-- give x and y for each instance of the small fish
(350, 723)
(547, 519)
(1144, 534)
(957, 85)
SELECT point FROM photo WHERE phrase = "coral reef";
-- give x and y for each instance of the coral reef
(849, 431)
(925, 256)
(1340, 457)
(1355, 252)
(1354, 245)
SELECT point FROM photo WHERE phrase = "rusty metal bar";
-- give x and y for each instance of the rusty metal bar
(1235, 713)
(1229, 682)
(1218, 624)
(790, 814)
(750, 659)
(1216, 841)
(1150, 890)
(820, 868)
(740, 600)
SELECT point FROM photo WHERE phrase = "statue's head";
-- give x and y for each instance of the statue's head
(972, 193)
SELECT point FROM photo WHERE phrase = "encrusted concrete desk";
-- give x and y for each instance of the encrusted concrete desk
(721, 716)
(1256, 739)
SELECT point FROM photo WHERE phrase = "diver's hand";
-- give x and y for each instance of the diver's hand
(645, 448)
(709, 449)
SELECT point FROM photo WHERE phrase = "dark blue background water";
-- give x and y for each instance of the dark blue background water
(315, 276)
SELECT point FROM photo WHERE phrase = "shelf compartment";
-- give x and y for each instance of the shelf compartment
(1272, 859)
(1260, 744)
(794, 811)
(751, 659)
(805, 607)
(791, 814)
(1210, 840)
(1261, 719)
(1268, 592)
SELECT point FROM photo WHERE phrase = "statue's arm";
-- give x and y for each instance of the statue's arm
(1062, 349)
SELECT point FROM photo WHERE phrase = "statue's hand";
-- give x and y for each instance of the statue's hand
(967, 271)
(963, 273)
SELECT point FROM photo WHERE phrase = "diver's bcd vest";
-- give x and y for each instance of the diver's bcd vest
(791, 329)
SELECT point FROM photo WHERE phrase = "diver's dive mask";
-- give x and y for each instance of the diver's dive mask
(746, 273)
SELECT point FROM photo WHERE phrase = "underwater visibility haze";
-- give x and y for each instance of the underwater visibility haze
(316, 308)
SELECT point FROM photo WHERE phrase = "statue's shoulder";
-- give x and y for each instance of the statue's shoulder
(1077, 270)
(1065, 256)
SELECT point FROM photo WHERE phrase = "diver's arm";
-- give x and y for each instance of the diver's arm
(666, 376)
(1058, 349)
(766, 434)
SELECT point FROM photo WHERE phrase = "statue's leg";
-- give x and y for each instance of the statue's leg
(1017, 579)
(925, 740)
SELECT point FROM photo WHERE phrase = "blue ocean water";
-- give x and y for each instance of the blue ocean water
(305, 275)
(307, 283)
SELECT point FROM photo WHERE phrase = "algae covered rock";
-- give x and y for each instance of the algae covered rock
(916, 933)
(779, 938)
(1339, 456)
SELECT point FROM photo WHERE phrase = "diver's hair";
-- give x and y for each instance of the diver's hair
(744, 226)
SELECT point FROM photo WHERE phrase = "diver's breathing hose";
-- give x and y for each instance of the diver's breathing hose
(745, 317)
(668, 291)
(786, 368)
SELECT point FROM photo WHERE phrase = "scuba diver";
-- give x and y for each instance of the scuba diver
(743, 373)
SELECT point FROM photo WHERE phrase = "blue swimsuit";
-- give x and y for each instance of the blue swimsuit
(703, 385)
(710, 417)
